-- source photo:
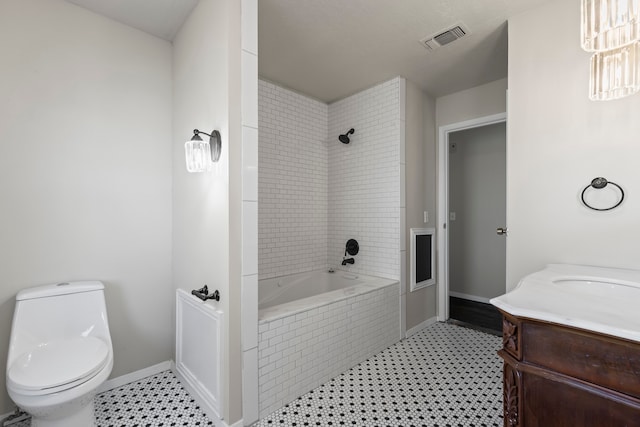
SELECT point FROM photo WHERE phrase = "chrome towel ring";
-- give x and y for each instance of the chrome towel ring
(599, 183)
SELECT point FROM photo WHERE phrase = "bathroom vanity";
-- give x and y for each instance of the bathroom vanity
(571, 348)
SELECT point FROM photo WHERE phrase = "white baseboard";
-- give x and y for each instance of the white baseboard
(134, 376)
(421, 326)
(469, 297)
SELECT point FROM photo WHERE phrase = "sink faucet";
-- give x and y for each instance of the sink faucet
(346, 261)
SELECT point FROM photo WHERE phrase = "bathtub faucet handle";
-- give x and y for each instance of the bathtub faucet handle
(352, 248)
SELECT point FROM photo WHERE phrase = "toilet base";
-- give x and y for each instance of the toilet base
(85, 417)
(68, 408)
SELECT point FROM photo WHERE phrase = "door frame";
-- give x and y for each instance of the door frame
(443, 203)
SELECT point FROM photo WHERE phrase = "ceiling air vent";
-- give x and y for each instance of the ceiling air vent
(444, 37)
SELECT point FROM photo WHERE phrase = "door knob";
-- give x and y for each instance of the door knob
(502, 231)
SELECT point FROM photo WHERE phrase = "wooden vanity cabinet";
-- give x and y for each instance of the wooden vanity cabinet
(556, 376)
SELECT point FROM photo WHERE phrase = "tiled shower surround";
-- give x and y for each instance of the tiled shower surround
(315, 193)
(299, 352)
(364, 179)
(292, 185)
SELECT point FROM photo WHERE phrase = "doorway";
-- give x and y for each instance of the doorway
(472, 206)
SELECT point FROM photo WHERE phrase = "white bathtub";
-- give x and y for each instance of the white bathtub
(314, 326)
(282, 296)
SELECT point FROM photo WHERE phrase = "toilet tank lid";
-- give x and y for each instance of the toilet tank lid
(61, 288)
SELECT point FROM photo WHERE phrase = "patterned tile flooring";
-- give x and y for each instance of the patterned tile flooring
(444, 376)
(159, 400)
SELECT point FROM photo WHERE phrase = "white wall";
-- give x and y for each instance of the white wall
(364, 179)
(293, 182)
(207, 227)
(420, 191)
(558, 141)
(85, 170)
(477, 189)
(479, 101)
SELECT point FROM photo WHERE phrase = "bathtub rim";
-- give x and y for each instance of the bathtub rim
(305, 304)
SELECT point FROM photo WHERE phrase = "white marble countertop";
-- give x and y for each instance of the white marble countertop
(604, 300)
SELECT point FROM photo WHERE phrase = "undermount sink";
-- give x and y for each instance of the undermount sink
(597, 299)
(602, 288)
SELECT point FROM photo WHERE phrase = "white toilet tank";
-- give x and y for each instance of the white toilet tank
(57, 312)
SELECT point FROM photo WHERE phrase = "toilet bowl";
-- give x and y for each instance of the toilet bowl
(60, 352)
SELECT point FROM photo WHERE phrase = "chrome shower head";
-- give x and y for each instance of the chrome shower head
(345, 138)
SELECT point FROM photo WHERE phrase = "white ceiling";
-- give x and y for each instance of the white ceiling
(330, 49)
(333, 48)
(161, 18)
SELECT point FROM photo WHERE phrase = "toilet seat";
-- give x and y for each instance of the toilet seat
(58, 365)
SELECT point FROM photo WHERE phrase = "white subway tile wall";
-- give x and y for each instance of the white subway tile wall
(364, 179)
(315, 193)
(299, 352)
(292, 185)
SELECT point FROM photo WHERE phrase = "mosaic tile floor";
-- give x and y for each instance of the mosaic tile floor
(444, 376)
(158, 401)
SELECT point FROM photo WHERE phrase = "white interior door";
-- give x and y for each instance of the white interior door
(480, 253)
(477, 208)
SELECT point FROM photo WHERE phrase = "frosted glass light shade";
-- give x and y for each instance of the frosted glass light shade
(609, 24)
(198, 155)
(615, 73)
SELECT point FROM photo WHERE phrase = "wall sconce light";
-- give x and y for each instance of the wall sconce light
(611, 29)
(201, 155)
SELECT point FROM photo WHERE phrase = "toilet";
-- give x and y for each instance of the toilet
(60, 352)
